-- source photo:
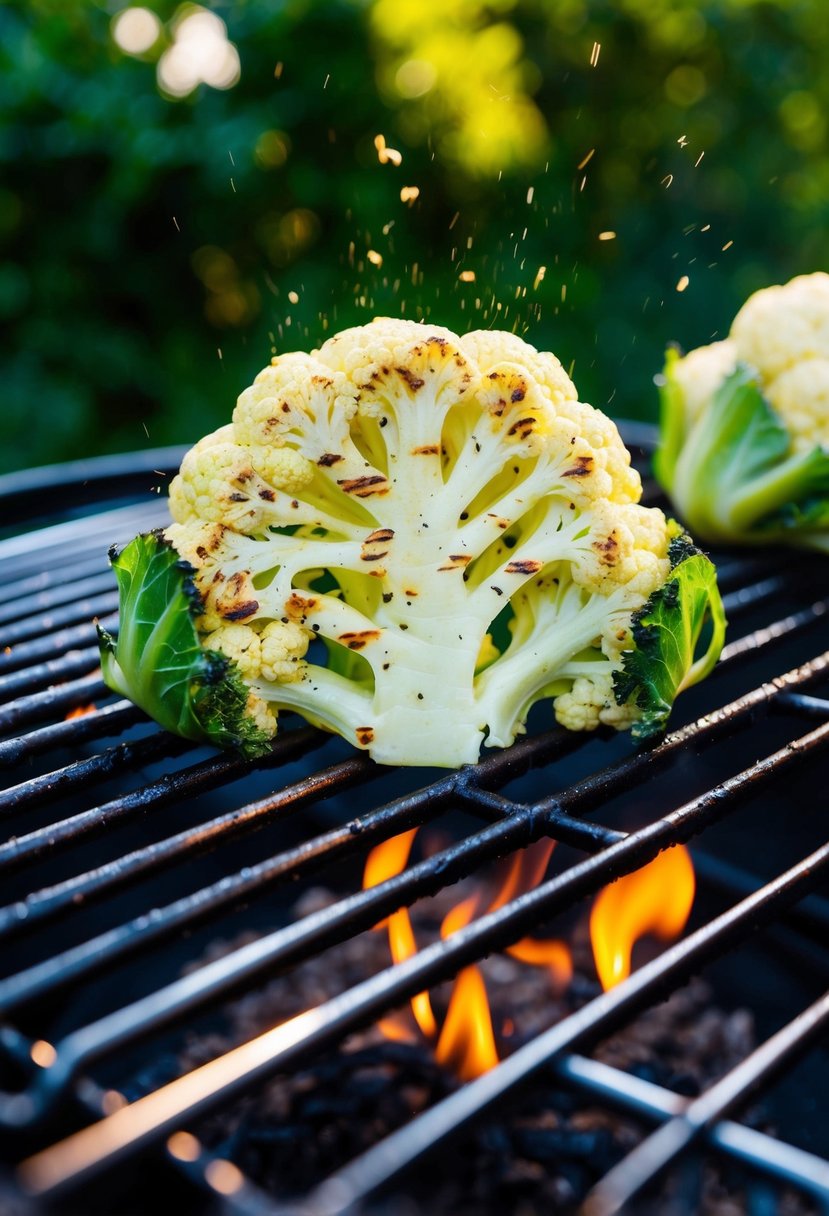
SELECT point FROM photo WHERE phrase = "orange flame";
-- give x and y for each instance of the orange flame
(466, 1042)
(384, 861)
(80, 711)
(656, 899)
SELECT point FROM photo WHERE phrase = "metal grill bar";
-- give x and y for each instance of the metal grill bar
(199, 1091)
(26, 915)
(376, 1168)
(649, 1159)
(42, 624)
(206, 775)
(56, 699)
(51, 671)
(28, 598)
(40, 658)
(111, 720)
(83, 773)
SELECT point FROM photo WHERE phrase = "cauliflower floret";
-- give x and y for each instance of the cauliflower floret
(239, 643)
(220, 482)
(489, 348)
(262, 715)
(296, 400)
(591, 702)
(800, 395)
(781, 326)
(700, 373)
(627, 545)
(283, 646)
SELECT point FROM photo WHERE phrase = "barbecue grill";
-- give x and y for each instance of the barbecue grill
(126, 851)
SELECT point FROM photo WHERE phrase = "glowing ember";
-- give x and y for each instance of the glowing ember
(683, 283)
(408, 194)
(385, 154)
(80, 711)
(656, 899)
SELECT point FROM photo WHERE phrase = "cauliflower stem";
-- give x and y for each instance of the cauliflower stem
(410, 538)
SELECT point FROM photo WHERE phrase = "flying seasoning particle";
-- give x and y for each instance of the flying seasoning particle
(585, 160)
(385, 154)
(277, 72)
(539, 275)
(705, 228)
(698, 160)
(325, 82)
(727, 245)
(530, 194)
(607, 236)
(667, 181)
(293, 297)
(683, 283)
(594, 54)
(175, 221)
(467, 276)
(374, 257)
(408, 194)
(683, 141)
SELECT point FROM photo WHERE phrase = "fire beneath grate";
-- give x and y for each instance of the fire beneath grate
(259, 1076)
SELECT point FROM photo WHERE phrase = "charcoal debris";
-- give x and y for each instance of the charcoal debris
(543, 1157)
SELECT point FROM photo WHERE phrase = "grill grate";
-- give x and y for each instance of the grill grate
(94, 886)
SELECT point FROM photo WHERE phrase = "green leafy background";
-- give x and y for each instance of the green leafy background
(155, 249)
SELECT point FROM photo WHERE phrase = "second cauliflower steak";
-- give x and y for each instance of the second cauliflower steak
(452, 534)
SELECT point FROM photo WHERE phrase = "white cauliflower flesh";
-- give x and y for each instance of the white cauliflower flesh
(745, 423)
(410, 537)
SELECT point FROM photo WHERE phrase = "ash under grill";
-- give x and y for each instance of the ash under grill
(125, 852)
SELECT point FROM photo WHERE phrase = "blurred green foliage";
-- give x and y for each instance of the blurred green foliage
(156, 248)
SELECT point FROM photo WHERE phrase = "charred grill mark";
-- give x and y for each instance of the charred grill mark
(329, 458)
(236, 582)
(240, 612)
(364, 487)
(375, 546)
(518, 394)
(582, 468)
(299, 606)
(201, 552)
(456, 561)
(365, 735)
(411, 592)
(607, 549)
(356, 641)
(523, 426)
(498, 519)
(428, 449)
(237, 497)
(267, 495)
(525, 565)
(414, 382)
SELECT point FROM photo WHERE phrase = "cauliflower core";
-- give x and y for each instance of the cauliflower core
(410, 537)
